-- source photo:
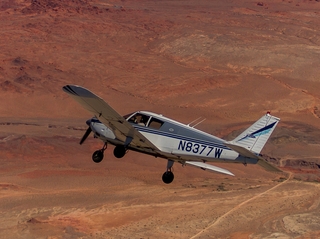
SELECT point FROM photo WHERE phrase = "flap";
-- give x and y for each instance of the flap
(209, 167)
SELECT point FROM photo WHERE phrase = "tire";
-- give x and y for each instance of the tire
(119, 151)
(97, 156)
(167, 177)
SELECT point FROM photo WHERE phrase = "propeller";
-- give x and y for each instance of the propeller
(86, 134)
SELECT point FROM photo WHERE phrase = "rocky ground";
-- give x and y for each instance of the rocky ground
(226, 61)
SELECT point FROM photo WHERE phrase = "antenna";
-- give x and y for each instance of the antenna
(194, 121)
(197, 122)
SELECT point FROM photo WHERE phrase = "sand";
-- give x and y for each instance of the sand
(227, 61)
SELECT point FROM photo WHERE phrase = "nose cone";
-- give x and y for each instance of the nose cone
(88, 122)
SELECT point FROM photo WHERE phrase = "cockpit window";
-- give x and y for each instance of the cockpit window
(139, 119)
(144, 120)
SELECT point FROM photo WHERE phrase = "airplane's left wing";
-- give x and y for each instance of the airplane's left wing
(205, 166)
(122, 129)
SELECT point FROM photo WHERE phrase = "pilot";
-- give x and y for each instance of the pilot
(143, 121)
(133, 119)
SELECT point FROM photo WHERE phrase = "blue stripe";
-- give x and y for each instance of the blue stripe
(259, 132)
(180, 137)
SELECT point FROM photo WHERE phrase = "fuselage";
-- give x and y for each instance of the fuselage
(177, 140)
(185, 141)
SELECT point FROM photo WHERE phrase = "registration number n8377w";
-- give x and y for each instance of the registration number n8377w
(200, 149)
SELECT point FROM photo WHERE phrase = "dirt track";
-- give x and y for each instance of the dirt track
(224, 216)
(65, 195)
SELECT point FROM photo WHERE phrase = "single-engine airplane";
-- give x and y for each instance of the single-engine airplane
(159, 136)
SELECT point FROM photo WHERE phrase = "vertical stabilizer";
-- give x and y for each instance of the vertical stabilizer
(255, 137)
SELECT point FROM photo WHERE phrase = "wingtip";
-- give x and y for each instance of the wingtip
(69, 89)
(76, 90)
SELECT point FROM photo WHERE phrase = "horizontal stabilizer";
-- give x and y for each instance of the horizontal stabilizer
(242, 151)
(248, 154)
(267, 166)
(209, 167)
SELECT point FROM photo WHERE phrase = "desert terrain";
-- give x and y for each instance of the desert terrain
(227, 61)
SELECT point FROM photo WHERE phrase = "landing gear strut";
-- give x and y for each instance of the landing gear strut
(168, 176)
(97, 156)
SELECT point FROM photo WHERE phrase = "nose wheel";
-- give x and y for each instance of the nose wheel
(98, 155)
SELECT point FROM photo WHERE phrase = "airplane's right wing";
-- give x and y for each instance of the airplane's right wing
(108, 116)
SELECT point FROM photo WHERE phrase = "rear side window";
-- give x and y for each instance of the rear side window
(155, 123)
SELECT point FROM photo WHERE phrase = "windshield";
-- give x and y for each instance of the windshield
(143, 120)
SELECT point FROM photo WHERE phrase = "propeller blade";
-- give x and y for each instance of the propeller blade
(85, 136)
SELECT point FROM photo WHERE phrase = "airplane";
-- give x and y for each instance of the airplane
(156, 135)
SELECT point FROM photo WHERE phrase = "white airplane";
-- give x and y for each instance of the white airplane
(159, 136)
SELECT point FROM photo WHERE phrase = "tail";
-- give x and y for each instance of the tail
(255, 137)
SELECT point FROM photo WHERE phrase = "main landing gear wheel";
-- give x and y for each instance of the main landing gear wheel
(167, 177)
(97, 156)
(119, 151)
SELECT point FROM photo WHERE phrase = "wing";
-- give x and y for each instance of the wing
(122, 129)
(205, 166)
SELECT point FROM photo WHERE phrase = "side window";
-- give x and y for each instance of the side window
(139, 119)
(143, 120)
(155, 123)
